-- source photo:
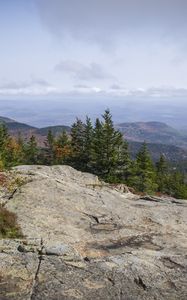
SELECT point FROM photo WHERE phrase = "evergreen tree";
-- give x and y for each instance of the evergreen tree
(143, 177)
(88, 139)
(32, 151)
(50, 139)
(78, 144)
(20, 141)
(101, 150)
(106, 146)
(4, 138)
(49, 156)
(162, 174)
(62, 140)
(177, 185)
(124, 162)
(97, 148)
(21, 145)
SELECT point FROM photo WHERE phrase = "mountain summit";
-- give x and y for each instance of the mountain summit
(84, 239)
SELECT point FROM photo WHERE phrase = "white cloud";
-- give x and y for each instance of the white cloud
(82, 71)
(146, 41)
(39, 87)
(31, 87)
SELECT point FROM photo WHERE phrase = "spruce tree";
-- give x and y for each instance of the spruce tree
(63, 139)
(113, 142)
(106, 148)
(4, 138)
(78, 144)
(88, 139)
(177, 185)
(143, 178)
(97, 148)
(50, 148)
(124, 163)
(32, 151)
(162, 174)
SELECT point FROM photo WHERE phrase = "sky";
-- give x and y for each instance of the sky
(115, 49)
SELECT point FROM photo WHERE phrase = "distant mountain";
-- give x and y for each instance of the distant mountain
(27, 131)
(6, 120)
(153, 132)
(172, 153)
(56, 130)
(14, 126)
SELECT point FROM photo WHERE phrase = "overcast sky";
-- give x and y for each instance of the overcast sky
(93, 47)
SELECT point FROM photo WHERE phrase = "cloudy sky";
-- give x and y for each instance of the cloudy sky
(93, 47)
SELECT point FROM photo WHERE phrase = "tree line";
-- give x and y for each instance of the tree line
(99, 149)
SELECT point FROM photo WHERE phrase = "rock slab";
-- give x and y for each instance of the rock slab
(84, 239)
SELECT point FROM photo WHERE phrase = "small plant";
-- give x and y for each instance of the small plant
(15, 183)
(9, 227)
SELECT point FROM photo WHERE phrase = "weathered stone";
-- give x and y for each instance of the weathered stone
(84, 239)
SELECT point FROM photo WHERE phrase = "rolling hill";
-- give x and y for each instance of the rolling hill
(26, 130)
(56, 130)
(153, 132)
(174, 154)
(14, 126)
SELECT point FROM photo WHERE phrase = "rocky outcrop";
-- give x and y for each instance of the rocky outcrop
(84, 239)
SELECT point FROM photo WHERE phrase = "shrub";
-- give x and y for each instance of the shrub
(9, 227)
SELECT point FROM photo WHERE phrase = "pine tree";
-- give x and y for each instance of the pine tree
(32, 151)
(50, 148)
(177, 185)
(143, 178)
(106, 148)
(62, 140)
(3, 136)
(78, 144)
(97, 148)
(88, 138)
(20, 141)
(113, 144)
(162, 174)
(124, 162)
(21, 145)
(4, 139)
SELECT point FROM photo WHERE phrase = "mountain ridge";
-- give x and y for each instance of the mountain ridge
(160, 138)
(153, 132)
(14, 126)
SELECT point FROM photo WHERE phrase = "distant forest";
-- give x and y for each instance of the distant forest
(100, 149)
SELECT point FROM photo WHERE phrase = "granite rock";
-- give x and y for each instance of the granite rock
(84, 239)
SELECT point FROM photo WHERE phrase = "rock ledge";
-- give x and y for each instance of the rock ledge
(88, 240)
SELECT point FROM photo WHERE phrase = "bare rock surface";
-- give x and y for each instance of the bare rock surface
(84, 239)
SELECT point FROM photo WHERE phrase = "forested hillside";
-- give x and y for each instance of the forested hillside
(153, 132)
(97, 148)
